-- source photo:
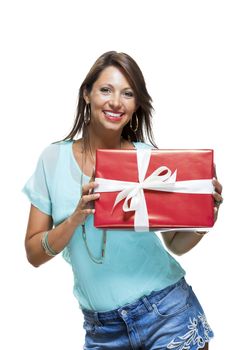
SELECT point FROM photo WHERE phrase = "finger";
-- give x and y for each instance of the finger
(88, 187)
(89, 197)
(217, 197)
(92, 175)
(217, 186)
(88, 211)
(215, 213)
(92, 179)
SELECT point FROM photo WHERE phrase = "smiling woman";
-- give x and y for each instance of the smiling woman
(126, 83)
(130, 289)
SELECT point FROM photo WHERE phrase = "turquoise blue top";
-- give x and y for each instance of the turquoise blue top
(135, 264)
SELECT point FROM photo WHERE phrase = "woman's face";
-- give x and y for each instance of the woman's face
(112, 100)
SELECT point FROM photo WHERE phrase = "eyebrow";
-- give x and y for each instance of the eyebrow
(110, 85)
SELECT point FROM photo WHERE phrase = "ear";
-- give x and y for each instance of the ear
(86, 96)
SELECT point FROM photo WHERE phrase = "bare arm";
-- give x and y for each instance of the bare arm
(180, 242)
(38, 223)
(59, 236)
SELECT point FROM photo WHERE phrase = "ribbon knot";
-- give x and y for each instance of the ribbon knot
(136, 192)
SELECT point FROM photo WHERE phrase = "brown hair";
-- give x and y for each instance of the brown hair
(135, 77)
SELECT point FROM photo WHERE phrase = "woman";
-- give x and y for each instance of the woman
(132, 292)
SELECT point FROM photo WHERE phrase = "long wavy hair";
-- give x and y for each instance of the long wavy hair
(144, 102)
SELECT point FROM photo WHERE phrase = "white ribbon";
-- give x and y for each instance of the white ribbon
(156, 181)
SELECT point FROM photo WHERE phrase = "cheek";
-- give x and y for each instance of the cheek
(100, 102)
(131, 106)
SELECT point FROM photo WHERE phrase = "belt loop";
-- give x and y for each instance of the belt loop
(96, 319)
(147, 303)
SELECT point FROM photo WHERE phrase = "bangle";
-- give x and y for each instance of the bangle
(201, 233)
(45, 245)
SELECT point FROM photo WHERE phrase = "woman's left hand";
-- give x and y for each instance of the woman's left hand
(218, 199)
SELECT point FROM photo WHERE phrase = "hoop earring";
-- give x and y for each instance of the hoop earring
(87, 114)
(131, 124)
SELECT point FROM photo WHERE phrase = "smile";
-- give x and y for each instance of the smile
(112, 114)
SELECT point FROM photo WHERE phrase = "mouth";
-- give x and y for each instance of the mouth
(113, 116)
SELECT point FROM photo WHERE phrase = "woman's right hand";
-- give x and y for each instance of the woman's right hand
(85, 205)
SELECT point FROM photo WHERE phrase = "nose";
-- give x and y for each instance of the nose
(115, 101)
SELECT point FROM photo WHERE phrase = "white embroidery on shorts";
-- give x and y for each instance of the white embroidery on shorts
(192, 337)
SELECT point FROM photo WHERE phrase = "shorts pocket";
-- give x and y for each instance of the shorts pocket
(175, 302)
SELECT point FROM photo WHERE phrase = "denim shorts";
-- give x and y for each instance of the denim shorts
(171, 318)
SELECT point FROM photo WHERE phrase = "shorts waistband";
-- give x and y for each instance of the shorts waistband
(138, 307)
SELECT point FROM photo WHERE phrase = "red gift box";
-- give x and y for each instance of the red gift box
(145, 189)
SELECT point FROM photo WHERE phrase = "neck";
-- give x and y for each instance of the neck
(111, 144)
(111, 140)
(91, 143)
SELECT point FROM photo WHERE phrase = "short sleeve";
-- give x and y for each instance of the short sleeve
(36, 188)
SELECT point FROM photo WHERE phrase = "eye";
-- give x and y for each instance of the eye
(129, 94)
(105, 90)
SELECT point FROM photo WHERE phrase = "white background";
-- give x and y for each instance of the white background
(184, 49)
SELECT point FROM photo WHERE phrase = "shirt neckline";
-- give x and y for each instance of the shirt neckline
(76, 163)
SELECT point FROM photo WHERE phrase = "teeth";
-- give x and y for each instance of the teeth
(115, 115)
